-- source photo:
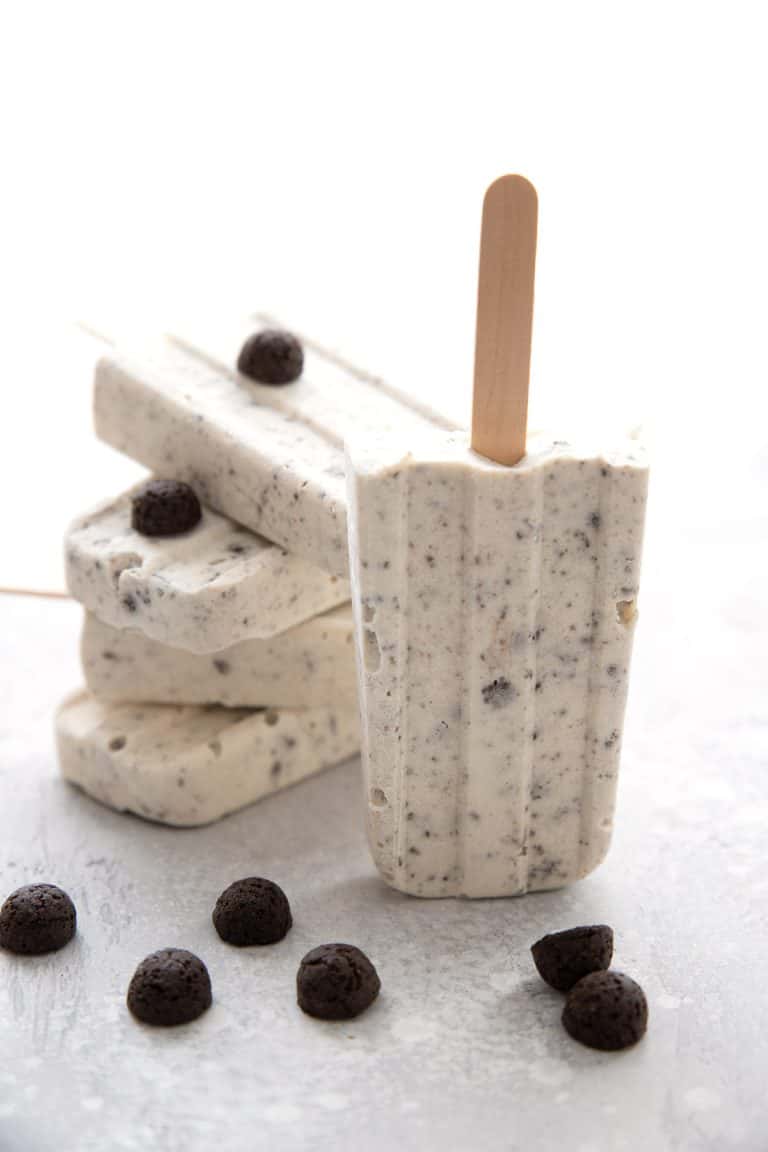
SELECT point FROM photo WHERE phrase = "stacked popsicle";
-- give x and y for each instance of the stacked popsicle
(219, 663)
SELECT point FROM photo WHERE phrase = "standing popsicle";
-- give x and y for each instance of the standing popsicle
(494, 589)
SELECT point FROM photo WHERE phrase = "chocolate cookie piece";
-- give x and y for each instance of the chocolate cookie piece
(171, 986)
(606, 1010)
(271, 357)
(37, 918)
(165, 508)
(564, 958)
(336, 982)
(252, 911)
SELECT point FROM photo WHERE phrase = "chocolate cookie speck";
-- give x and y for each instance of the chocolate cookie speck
(336, 982)
(37, 918)
(606, 1010)
(564, 958)
(271, 357)
(165, 508)
(169, 987)
(252, 911)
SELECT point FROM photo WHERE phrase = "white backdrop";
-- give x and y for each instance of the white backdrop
(327, 161)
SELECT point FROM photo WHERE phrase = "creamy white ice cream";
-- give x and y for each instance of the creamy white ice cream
(309, 665)
(204, 590)
(495, 611)
(270, 457)
(191, 765)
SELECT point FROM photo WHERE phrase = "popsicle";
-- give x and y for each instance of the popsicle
(270, 457)
(310, 665)
(494, 591)
(203, 591)
(191, 765)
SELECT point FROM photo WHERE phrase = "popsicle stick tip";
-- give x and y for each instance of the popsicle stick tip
(509, 185)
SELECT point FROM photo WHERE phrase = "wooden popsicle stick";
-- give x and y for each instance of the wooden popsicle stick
(43, 594)
(504, 319)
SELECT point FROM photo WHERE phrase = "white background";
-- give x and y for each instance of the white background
(327, 161)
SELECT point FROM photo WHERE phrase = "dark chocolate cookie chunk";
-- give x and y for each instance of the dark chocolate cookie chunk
(606, 1010)
(252, 911)
(171, 986)
(563, 958)
(271, 357)
(37, 918)
(336, 982)
(165, 508)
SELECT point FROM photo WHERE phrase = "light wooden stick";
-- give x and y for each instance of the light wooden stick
(504, 319)
(44, 595)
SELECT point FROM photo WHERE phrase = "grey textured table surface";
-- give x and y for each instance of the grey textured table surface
(464, 1049)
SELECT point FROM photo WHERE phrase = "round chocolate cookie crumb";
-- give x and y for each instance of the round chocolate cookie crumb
(271, 357)
(606, 1010)
(165, 508)
(336, 982)
(171, 986)
(37, 918)
(564, 958)
(252, 911)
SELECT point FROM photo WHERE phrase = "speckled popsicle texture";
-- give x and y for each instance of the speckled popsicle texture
(203, 590)
(495, 611)
(310, 665)
(270, 458)
(192, 765)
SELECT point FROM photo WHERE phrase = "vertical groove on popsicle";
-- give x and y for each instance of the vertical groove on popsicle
(562, 638)
(527, 776)
(330, 357)
(399, 779)
(372, 614)
(502, 597)
(622, 511)
(331, 397)
(593, 695)
(466, 621)
(429, 685)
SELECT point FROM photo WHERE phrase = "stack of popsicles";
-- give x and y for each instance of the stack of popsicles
(494, 589)
(219, 663)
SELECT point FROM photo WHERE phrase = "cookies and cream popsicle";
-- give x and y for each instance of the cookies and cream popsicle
(310, 665)
(201, 590)
(264, 447)
(494, 589)
(192, 765)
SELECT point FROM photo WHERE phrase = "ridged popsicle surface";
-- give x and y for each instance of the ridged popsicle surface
(495, 610)
(271, 458)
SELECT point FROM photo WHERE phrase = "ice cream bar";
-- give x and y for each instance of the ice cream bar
(204, 590)
(310, 665)
(269, 457)
(494, 590)
(191, 765)
(496, 611)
